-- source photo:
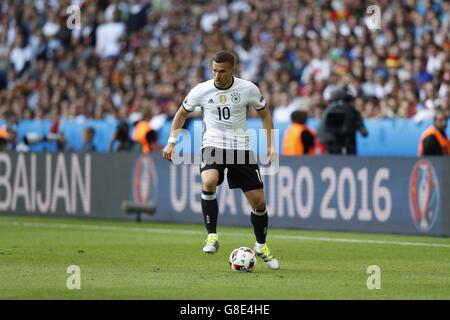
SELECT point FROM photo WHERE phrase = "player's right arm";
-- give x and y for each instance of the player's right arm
(177, 123)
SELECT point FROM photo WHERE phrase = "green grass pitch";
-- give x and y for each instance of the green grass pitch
(128, 260)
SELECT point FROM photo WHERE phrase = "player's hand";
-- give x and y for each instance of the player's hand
(271, 155)
(167, 151)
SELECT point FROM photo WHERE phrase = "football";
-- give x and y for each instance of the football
(242, 259)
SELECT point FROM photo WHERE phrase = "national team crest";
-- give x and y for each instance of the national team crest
(145, 182)
(424, 199)
(235, 98)
(223, 99)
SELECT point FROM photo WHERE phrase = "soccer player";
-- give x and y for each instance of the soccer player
(225, 144)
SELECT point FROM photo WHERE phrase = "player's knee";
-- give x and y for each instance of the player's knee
(210, 184)
(260, 205)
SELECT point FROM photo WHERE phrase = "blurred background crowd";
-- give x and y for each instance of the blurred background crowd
(131, 55)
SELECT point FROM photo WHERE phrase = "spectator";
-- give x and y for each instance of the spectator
(20, 55)
(121, 139)
(444, 88)
(434, 141)
(429, 102)
(160, 50)
(144, 134)
(56, 134)
(8, 138)
(88, 140)
(4, 61)
(108, 36)
(299, 139)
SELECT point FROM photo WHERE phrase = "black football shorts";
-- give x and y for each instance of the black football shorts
(243, 170)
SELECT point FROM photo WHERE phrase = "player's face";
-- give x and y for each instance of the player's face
(222, 73)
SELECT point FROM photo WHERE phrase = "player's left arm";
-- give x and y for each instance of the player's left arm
(267, 122)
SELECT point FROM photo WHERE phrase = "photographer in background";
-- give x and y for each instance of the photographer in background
(340, 122)
(121, 140)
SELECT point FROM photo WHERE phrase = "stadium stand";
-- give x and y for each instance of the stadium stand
(130, 55)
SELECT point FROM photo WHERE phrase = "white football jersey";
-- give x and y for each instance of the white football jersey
(225, 112)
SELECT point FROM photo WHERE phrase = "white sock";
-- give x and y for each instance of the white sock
(259, 246)
(214, 234)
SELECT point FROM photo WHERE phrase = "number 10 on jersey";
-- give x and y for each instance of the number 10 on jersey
(224, 113)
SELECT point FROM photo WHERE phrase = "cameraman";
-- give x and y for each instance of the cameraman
(340, 122)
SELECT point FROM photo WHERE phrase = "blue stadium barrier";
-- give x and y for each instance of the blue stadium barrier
(72, 129)
(392, 137)
(38, 126)
(104, 130)
(387, 137)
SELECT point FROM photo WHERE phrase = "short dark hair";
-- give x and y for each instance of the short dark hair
(299, 117)
(225, 57)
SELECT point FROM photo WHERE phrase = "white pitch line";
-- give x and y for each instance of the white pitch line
(230, 234)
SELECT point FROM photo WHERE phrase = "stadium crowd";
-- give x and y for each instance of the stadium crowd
(129, 55)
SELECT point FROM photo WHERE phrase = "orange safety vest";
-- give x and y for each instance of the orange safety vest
(139, 135)
(443, 141)
(4, 133)
(292, 142)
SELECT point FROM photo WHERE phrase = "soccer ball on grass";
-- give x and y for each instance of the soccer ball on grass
(242, 259)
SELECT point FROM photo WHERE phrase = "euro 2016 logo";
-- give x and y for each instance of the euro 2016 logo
(424, 195)
(145, 180)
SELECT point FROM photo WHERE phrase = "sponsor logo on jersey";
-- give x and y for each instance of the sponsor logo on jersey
(235, 97)
(424, 195)
(261, 99)
(211, 101)
(223, 99)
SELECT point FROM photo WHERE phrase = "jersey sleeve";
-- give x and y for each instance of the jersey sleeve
(192, 100)
(255, 98)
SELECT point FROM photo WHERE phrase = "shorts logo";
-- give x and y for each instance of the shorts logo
(223, 99)
(424, 195)
(145, 181)
(235, 98)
